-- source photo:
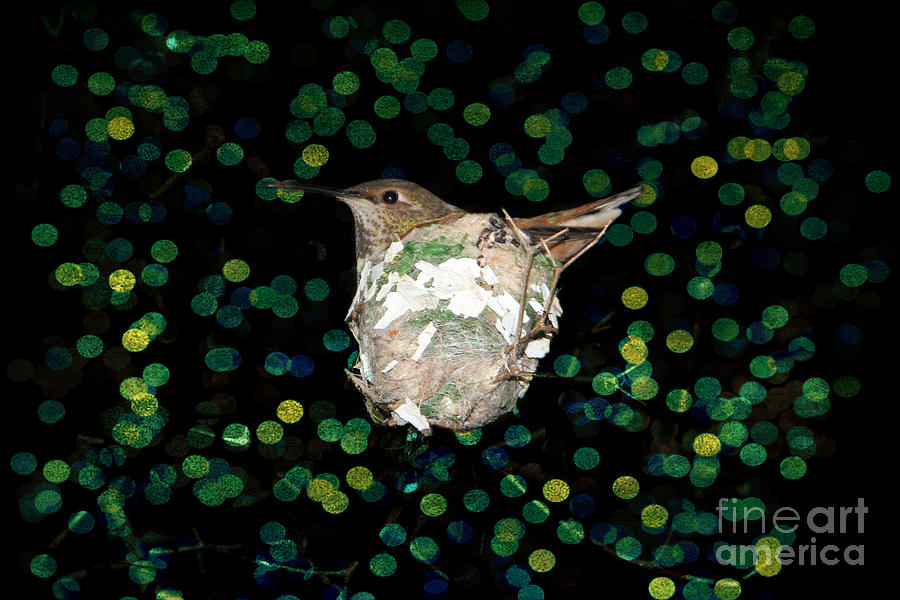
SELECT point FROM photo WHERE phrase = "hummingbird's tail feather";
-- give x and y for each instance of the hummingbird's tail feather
(581, 224)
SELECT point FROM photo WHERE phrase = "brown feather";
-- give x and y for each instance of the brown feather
(582, 223)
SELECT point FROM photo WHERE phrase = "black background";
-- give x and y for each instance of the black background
(847, 107)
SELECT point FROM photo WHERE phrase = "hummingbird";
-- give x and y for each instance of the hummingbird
(453, 310)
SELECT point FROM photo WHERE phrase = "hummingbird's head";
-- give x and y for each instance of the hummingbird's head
(387, 209)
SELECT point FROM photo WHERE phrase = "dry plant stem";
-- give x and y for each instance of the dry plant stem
(529, 255)
(529, 258)
(541, 323)
(592, 243)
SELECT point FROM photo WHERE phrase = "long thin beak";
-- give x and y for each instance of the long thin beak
(310, 187)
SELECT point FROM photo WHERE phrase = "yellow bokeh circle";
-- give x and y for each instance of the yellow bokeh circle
(359, 478)
(626, 487)
(289, 411)
(654, 516)
(144, 404)
(541, 560)
(135, 340)
(767, 561)
(122, 280)
(120, 128)
(556, 490)
(236, 270)
(757, 216)
(315, 155)
(704, 167)
(707, 444)
(634, 350)
(661, 588)
(635, 297)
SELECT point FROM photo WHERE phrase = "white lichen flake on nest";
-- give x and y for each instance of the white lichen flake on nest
(436, 320)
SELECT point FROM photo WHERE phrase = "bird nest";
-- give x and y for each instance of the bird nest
(451, 322)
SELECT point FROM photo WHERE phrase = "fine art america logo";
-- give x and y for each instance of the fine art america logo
(770, 553)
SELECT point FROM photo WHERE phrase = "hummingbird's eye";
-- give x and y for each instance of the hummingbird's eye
(389, 197)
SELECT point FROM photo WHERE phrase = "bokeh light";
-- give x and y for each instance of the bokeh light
(714, 343)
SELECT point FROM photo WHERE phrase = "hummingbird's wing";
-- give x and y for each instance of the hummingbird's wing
(582, 223)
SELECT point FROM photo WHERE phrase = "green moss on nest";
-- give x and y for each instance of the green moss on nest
(449, 392)
(453, 330)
